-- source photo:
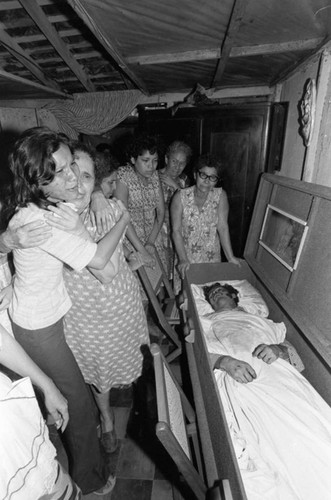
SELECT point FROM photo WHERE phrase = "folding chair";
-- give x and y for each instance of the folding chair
(176, 428)
(167, 312)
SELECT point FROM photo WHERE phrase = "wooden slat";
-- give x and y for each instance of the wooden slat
(26, 87)
(50, 32)
(15, 4)
(229, 39)
(15, 50)
(109, 44)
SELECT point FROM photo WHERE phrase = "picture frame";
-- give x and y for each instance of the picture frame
(283, 236)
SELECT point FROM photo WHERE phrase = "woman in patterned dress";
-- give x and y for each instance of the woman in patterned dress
(106, 325)
(199, 217)
(172, 178)
(138, 187)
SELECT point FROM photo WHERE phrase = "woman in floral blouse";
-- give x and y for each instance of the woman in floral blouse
(199, 218)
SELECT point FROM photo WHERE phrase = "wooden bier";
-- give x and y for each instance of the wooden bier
(293, 274)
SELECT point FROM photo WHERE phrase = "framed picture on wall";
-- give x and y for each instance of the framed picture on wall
(283, 235)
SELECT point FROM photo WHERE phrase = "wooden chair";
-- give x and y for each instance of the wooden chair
(167, 312)
(176, 428)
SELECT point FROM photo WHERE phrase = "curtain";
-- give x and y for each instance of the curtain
(94, 113)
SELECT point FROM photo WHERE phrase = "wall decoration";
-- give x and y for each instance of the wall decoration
(283, 236)
(307, 109)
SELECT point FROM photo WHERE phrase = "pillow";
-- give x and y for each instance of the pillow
(249, 298)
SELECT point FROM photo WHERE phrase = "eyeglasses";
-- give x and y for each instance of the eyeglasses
(211, 178)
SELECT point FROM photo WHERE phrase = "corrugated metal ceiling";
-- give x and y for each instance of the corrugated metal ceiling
(95, 45)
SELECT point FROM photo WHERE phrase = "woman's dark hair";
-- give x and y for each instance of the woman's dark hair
(33, 166)
(208, 160)
(233, 292)
(6, 194)
(142, 144)
(84, 148)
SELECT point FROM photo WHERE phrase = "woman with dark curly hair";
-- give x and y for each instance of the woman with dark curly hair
(199, 217)
(45, 174)
(139, 188)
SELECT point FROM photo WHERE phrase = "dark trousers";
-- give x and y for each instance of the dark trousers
(49, 350)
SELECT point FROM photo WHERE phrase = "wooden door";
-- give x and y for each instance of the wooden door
(238, 135)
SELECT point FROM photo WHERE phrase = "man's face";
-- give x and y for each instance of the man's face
(221, 299)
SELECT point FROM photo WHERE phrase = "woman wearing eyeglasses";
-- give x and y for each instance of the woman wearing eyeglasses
(199, 218)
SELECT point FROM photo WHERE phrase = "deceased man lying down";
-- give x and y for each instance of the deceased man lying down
(279, 424)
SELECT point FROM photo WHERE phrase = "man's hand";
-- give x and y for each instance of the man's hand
(268, 353)
(237, 369)
(100, 212)
(30, 235)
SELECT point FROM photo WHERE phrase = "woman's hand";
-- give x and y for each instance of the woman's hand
(124, 210)
(99, 212)
(30, 235)
(235, 261)
(147, 258)
(183, 266)
(135, 261)
(169, 181)
(6, 295)
(56, 405)
(268, 353)
(65, 218)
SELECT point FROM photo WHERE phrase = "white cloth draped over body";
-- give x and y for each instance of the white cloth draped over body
(280, 426)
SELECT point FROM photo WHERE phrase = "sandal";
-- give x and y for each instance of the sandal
(109, 441)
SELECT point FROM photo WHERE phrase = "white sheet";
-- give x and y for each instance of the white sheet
(280, 426)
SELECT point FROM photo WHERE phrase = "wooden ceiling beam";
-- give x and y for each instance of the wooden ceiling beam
(15, 50)
(276, 48)
(229, 39)
(191, 55)
(202, 55)
(41, 20)
(108, 43)
(300, 63)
